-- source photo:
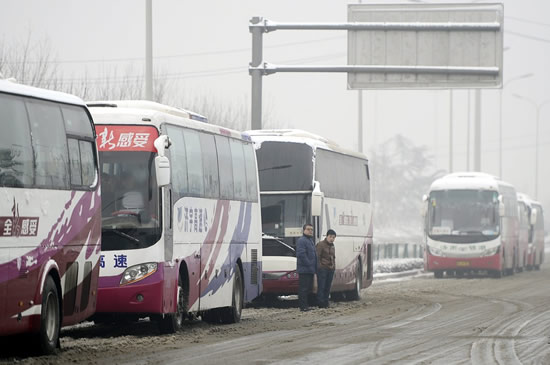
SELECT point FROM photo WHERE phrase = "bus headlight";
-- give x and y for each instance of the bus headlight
(491, 251)
(138, 272)
(434, 251)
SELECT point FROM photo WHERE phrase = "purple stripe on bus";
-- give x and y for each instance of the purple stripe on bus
(60, 235)
(236, 247)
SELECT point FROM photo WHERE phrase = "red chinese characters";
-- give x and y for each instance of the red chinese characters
(126, 138)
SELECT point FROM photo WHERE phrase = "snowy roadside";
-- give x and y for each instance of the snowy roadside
(394, 268)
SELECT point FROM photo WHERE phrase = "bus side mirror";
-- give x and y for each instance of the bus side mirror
(533, 218)
(317, 200)
(162, 164)
(501, 207)
(424, 209)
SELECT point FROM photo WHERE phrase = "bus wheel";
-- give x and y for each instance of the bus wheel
(355, 294)
(233, 314)
(50, 318)
(438, 274)
(497, 274)
(173, 322)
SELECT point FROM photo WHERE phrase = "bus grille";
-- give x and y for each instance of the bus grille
(254, 267)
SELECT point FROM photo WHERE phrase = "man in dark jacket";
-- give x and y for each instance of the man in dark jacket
(326, 266)
(306, 265)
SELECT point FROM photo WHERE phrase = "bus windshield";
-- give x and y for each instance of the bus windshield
(284, 215)
(130, 204)
(463, 216)
(284, 166)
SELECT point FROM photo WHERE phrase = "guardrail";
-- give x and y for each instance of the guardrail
(398, 251)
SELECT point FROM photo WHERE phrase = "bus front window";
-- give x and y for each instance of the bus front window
(130, 203)
(285, 214)
(461, 216)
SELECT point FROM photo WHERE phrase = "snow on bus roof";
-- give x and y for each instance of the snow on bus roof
(298, 136)
(127, 110)
(468, 181)
(149, 105)
(12, 87)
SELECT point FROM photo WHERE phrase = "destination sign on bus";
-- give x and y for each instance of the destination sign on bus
(126, 138)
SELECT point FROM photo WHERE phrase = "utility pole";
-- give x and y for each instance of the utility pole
(477, 132)
(149, 49)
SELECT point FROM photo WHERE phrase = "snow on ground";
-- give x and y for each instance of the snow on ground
(397, 265)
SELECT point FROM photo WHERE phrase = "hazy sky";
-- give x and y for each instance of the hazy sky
(206, 46)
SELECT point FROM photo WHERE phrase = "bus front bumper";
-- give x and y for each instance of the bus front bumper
(435, 263)
(145, 296)
(280, 283)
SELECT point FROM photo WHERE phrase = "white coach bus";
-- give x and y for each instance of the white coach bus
(181, 218)
(471, 224)
(305, 178)
(531, 233)
(50, 215)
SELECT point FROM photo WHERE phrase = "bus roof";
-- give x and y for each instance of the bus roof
(299, 136)
(468, 181)
(143, 112)
(522, 197)
(12, 87)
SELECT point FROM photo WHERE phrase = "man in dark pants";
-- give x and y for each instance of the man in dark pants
(326, 266)
(306, 265)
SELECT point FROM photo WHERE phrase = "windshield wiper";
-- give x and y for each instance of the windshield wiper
(125, 235)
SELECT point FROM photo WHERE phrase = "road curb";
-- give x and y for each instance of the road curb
(401, 274)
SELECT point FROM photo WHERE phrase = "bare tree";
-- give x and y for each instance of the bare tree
(402, 173)
(33, 63)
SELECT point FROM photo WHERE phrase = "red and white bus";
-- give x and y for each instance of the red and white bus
(532, 231)
(304, 178)
(471, 224)
(181, 217)
(50, 216)
(525, 230)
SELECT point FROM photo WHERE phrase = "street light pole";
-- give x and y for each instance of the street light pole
(538, 107)
(500, 118)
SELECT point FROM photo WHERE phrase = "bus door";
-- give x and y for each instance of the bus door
(4, 259)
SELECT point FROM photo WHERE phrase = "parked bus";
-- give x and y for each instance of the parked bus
(525, 229)
(50, 227)
(180, 218)
(533, 232)
(471, 224)
(305, 178)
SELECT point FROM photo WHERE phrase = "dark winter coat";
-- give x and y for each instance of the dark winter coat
(306, 256)
(326, 255)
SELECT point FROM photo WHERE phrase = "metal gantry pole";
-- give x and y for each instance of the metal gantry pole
(256, 72)
(258, 68)
(450, 130)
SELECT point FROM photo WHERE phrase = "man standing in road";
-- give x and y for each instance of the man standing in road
(326, 265)
(306, 265)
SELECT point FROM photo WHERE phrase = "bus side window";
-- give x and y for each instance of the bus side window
(50, 144)
(16, 154)
(210, 166)
(225, 166)
(194, 162)
(239, 174)
(250, 166)
(178, 162)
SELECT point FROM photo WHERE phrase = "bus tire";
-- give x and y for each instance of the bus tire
(173, 322)
(438, 274)
(50, 318)
(355, 293)
(233, 314)
(497, 274)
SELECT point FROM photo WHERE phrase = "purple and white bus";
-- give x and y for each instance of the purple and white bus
(181, 228)
(50, 215)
